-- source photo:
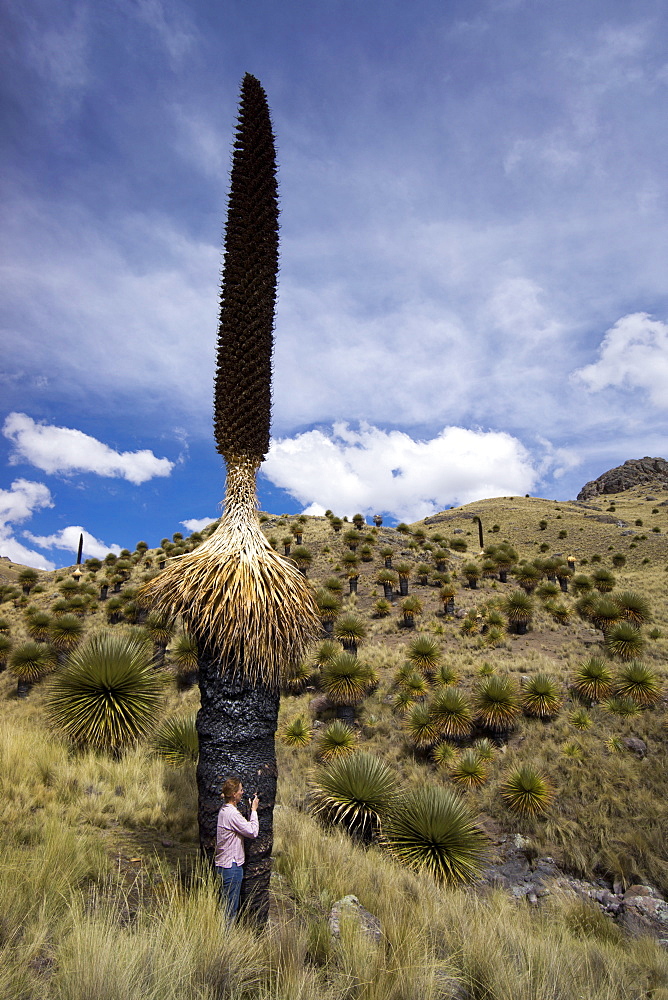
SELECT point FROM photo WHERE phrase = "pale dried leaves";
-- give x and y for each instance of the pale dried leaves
(247, 604)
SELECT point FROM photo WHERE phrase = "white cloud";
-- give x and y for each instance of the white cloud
(370, 469)
(170, 25)
(146, 289)
(634, 355)
(197, 523)
(66, 450)
(68, 538)
(18, 504)
(22, 500)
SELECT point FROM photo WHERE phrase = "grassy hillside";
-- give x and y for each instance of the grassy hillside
(102, 895)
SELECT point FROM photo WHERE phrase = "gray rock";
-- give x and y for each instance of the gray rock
(320, 703)
(636, 746)
(639, 890)
(633, 472)
(350, 908)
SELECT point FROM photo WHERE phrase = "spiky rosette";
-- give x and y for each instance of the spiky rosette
(243, 601)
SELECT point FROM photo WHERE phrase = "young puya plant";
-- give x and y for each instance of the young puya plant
(249, 609)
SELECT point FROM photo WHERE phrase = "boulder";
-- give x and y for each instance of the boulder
(635, 745)
(350, 908)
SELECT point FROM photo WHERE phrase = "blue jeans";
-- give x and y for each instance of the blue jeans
(232, 879)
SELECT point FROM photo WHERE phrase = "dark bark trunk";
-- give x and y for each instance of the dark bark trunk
(23, 688)
(346, 713)
(521, 628)
(503, 576)
(298, 537)
(388, 562)
(104, 589)
(327, 626)
(403, 586)
(473, 584)
(236, 725)
(563, 583)
(117, 588)
(286, 550)
(450, 606)
(440, 566)
(409, 621)
(387, 590)
(350, 646)
(352, 584)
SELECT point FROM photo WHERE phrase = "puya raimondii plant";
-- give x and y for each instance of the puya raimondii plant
(249, 609)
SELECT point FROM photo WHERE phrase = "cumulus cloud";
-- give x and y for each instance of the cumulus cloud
(370, 469)
(197, 523)
(633, 355)
(66, 450)
(68, 538)
(17, 504)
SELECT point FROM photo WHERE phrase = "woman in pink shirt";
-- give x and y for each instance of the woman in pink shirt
(231, 830)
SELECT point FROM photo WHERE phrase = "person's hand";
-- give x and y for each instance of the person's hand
(255, 803)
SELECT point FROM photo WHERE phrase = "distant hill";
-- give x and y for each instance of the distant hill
(634, 472)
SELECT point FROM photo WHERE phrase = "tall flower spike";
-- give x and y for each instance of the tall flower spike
(247, 605)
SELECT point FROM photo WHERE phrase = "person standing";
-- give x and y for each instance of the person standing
(230, 833)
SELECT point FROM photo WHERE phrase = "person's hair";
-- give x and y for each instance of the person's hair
(230, 788)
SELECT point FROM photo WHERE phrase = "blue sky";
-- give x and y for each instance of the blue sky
(472, 297)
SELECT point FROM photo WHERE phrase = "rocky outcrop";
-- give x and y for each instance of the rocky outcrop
(638, 909)
(634, 472)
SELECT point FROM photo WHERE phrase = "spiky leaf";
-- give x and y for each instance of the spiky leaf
(526, 792)
(108, 694)
(176, 741)
(433, 831)
(357, 791)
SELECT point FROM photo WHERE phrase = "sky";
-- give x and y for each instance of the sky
(472, 293)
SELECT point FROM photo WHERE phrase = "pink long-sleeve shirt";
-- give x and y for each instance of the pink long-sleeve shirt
(231, 830)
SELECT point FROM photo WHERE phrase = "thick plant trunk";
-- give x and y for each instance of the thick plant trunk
(387, 590)
(346, 713)
(503, 576)
(388, 562)
(403, 586)
(352, 584)
(235, 726)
